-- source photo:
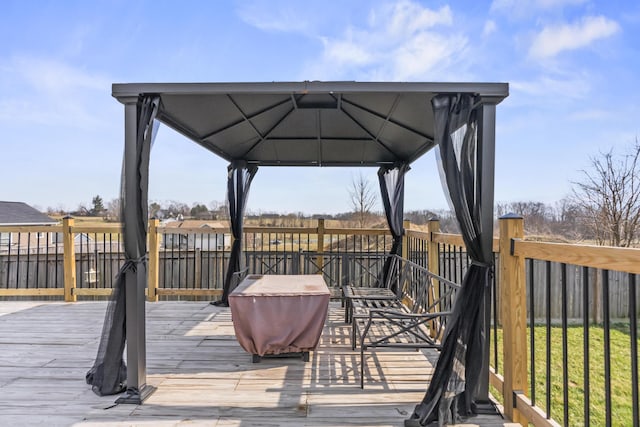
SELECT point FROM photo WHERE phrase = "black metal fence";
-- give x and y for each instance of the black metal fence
(32, 261)
(584, 362)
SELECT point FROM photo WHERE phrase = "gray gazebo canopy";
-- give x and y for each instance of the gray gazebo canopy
(383, 124)
(308, 123)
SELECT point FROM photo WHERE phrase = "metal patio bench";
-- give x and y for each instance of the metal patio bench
(414, 319)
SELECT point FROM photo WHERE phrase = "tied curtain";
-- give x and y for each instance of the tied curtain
(109, 372)
(453, 388)
(239, 181)
(391, 179)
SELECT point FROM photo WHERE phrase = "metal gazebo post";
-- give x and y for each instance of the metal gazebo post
(486, 158)
(136, 280)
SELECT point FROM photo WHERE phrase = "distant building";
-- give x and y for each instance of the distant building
(21, 214)
(176, 235)
(18, 213)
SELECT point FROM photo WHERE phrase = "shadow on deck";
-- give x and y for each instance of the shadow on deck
(202, 375)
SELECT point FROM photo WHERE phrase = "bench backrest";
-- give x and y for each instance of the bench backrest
(421, 290)
(418, 288)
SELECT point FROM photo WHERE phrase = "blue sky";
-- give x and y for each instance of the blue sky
(573, 67)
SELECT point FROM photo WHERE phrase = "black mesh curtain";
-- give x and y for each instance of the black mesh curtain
(391, 179)
(109, 372)
(453, 388)
(240, 176)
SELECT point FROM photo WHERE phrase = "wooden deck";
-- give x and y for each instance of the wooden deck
(203, 377)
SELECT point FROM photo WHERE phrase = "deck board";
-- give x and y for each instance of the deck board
(203, 377)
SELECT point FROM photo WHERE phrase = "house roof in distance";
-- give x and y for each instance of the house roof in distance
(195, 223)
(19, 213)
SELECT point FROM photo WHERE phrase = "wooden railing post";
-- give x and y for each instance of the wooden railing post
(405, 239)
(433, 265)
(154, 260)
(69, 260)
(320, 245)
(433, 255)
(513, 308)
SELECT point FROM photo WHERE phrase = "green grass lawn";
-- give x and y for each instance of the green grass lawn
(621, 388)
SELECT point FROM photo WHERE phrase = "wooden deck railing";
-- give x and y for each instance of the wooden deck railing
(72, 260)
(538, 287)
(543, 290)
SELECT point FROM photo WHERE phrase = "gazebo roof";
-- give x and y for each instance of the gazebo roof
(306, 123)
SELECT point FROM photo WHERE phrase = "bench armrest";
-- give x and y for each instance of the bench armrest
(382, 313)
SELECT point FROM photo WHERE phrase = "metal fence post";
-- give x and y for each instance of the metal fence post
(513, 291)
(69, 260)
(320, 246)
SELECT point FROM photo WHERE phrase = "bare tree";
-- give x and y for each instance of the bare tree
(112, 212)
(537, 215)
(610, 197)
(567, 221)
(220, 210)
(81, 211)
(155, 210)
(363, 199)
(55, 211)
(178, 209)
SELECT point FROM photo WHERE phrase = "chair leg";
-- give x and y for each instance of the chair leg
(353, 334)
(362, 367)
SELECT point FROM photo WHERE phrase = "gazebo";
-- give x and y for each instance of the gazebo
(387, 125)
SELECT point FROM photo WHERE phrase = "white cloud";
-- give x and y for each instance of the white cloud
(489, 28)
(555, 39)
(346, 51)
(404, 18)
(520, 7)
(591, 115)
(266, 15)
(48, 92)
(547, 91)
(57, 77)
(425, 53)
(401, 41)
(552, 4)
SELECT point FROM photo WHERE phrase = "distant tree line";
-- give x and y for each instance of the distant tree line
(604, 207)
(565, 221)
